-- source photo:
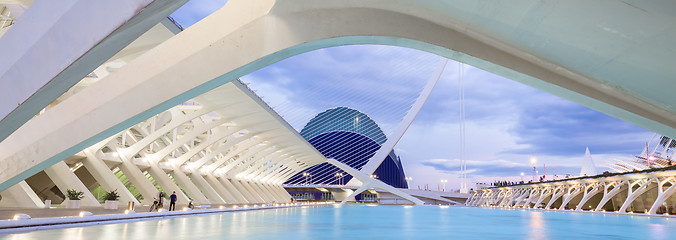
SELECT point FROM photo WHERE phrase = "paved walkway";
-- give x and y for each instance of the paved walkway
(63, 217)
(8, 213)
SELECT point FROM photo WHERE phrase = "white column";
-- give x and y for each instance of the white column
(244, 191)
(274, 193)
(633, 194)
(207, 189)
(222, 191)
(663, 195)
(168, 185)
(189, 187)
(261, 193)
(20, 195)
(139, 180)
(237, 194)
(65, 179)
(607, 195)
(105, 177)
(285, 194)
(252, 191)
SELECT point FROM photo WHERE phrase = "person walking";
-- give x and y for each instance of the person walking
(172, 203)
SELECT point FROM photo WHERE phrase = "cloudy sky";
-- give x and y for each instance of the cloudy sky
(507, 123)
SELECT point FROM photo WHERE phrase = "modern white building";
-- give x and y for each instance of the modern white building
(114, 87)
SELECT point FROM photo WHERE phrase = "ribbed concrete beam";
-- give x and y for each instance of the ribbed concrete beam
(57, 28)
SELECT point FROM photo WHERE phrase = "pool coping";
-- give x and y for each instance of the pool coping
(22, 225)
(584, 212)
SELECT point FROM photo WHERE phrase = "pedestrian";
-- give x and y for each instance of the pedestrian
(172, 203)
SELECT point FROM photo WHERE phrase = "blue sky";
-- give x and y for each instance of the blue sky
(507, 122)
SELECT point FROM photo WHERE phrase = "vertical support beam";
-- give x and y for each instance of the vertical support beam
(65, 179)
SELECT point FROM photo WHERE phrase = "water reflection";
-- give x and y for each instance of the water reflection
(537, 226)
(659, 231)
(382, 222)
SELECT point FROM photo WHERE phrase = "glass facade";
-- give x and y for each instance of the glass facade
(351, 137)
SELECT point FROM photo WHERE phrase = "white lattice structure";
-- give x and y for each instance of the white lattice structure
(649, 193)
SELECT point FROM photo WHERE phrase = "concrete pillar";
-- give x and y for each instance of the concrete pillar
(274, 193)
(139, 180)
(286, 197)
(239, 197)
(207, 189)
(105, 177)
(168, 185)
(222, 191)
(21, 196)
(188, 186)
(65, 179)
(246, 193)
(261, 192)
(252, 191)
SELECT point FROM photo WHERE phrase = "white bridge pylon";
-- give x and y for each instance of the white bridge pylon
(378, 158)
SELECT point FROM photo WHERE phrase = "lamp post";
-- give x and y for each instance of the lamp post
(409, 180)
(444, 183)
(339, 177)
(307, 176)
(522, 176)
(533, 160)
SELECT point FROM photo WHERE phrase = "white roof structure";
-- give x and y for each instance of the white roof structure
(612, 56)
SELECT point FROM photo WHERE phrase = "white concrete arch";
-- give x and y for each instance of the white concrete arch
(662, 194)
(590, 191)
(262, 32)
(632, 193)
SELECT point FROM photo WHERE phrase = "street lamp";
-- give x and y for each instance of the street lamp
(522, 176)
(533, 160)
(339, 176)
(444, 182)
(307, 176)
(409, 180)
(374, 176)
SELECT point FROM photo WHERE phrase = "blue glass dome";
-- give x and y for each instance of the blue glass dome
(351, 137)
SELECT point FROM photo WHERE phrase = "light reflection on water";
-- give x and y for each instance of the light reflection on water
(382, 222)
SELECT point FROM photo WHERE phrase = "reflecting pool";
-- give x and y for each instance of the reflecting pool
(376, 222)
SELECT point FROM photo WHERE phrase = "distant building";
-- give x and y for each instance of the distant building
(351, 137)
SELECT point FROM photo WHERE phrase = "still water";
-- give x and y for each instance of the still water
(376, 222)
